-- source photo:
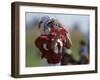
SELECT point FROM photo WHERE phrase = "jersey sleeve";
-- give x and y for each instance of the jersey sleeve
(39, 43)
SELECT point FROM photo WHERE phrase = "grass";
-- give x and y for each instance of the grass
(32, 57)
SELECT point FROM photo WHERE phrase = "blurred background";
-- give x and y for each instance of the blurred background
(77, 25)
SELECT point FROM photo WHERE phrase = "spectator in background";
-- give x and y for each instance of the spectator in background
(83, 51)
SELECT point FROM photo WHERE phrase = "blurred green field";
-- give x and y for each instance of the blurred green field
(33, 58)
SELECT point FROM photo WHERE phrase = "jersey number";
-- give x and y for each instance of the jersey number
(56, 48)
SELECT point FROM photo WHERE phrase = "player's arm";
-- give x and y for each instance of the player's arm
(68, 41)
(41, 44)
(38, 44)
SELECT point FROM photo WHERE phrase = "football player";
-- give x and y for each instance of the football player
(52, 41)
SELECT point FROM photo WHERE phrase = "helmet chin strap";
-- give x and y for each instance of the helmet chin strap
(47, 31)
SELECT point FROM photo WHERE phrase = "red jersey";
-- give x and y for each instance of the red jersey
(43, 43)
(63, 31)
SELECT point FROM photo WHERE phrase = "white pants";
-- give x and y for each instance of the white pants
(45, 63)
